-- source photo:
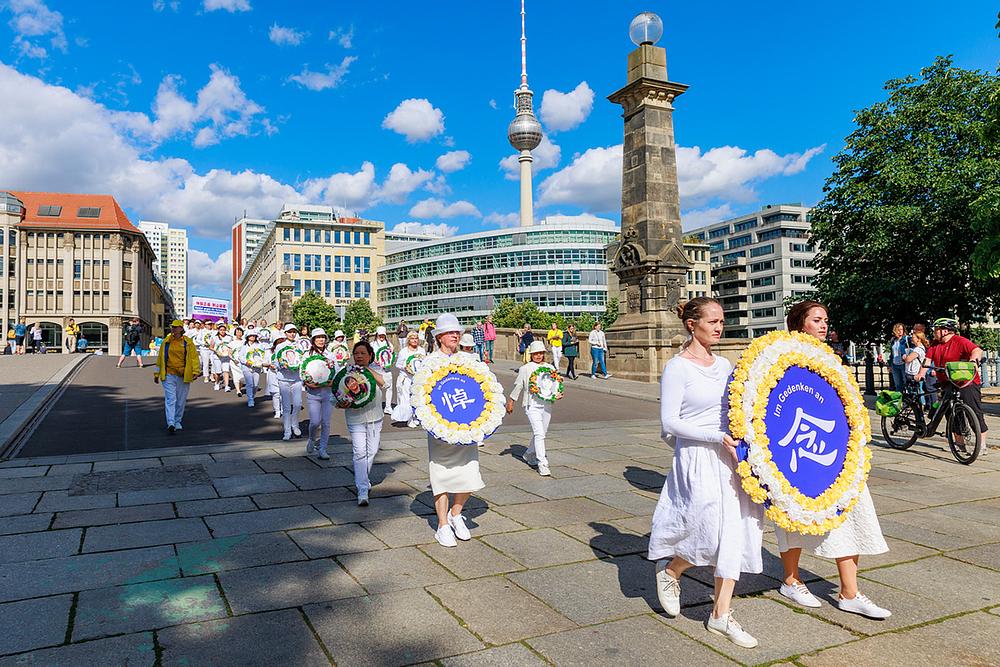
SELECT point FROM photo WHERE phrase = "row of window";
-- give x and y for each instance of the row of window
(333, 288)
(492, 262)
(564, 301)
(697, 277)
(326, 236)
(82, 212)
(329, 263)
(493, 282)
(567, 236)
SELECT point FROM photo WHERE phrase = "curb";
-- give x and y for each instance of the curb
(15, 425)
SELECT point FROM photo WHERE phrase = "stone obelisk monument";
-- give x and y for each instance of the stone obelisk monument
(649, 261)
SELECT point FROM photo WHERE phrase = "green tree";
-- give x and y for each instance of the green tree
(359, 315)
(584, 323)
(894, 230)
(312, 311)
(610, 312)
(986, 209)
(503, 313)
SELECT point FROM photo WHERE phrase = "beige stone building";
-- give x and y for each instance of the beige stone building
(77, 256)
(335, 257)
(164, 311)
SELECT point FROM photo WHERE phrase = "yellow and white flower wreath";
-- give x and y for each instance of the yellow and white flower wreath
(758, 371)
(433, 369)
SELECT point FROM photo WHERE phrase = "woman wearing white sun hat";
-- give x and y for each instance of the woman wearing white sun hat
(319, 399)
(539, 412)
(380, 343)
(454, 469)
(403, 412)
(289, 387)
(252, 355)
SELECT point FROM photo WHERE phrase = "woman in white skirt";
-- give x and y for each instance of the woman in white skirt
(365, 425)
(381, 342)
(454, 469)
(703, 517)
(403, 412)
(859, 534)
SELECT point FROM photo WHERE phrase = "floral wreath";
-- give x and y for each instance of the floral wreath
(535, 390)
(255, 357)
(413, 363)
(759, 370)
(223, 350)
(340, 353)
(367, 389)
(437, 367)
(307, 377)
(288, 357)
(385, 357)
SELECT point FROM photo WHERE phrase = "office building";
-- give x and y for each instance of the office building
(335, 257)
(396, 240)
(759, 260)
(560, 266)
(170, 245)
(11, 214)
(78, 256)
(246, 235)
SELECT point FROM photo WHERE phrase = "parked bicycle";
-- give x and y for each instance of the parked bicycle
(905, 418)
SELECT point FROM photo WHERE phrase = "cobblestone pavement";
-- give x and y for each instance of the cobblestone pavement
(255, 554)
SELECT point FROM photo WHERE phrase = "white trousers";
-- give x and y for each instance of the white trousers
(320, 405)
(239, 377)
(251, 379)
(539, 417)
(175, 394)
(556, 356)
(365, 440)
(205, 356)
(291, 403)
(219, 365)
(387, 391)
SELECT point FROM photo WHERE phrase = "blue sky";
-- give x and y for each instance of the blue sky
(192, 111)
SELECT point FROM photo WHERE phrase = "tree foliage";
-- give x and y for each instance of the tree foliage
(311, 310)
(514, 315)
(610, 312)
(897, 227)
(359, 315)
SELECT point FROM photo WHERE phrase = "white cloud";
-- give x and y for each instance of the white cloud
(564, 111)
(588, 182)
(453, 161)
(401, 182)
(438, 186)
(343, 36)
(415, 119)
(283, 36)
(546, 156)
(320, 81)
(207, 275)
(705, 216)
(493, 104)
(230, 6)
(31, 21)
(160, 5)
(559, 218)
(433, 229)
(438, 208)
(503, 219)
(349, 191)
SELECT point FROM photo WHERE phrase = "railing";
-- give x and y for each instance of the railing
(873, 377)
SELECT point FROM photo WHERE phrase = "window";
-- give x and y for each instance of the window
(740, 241)
(347, 264)
(763, 297)
(368, 238)
(801, 247)
(77, 269)
(802, 263)
(309, 263)
(297, 287)
(359, 289)
(326, 264)
(719, 232)
(368, 264)
(762, 250)
(337, 265)
(745, 225)
(338, 291)
(802, 280)
(287, 233)
(296, 262)
(287, 261)
(769, 234)
(326, 292)
(756, 267)
(326, 239)
(88, 212)
(308, 235)
(762, 282)
(297, 234)
(357, 238)
(347, 289)
(783, 217)
(716, 246)
(336, 236)
(49, 211)
(357, 264)
(764, 312)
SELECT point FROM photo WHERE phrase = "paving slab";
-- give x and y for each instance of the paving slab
(573, 487)
(320, 478)
(498, 611)
(132, 650)
(335, 540)
(274, 638)
(25, 471)
(635, 502)
(113, 515)
(968, 587)
(400, 628)
(247, 485)
(540, 547)
(636, 641)
(25, 523)
(144, 534)
(395, 569)
(209, 506)
(33, 624)
(29, 484)
(61, 501)
(233, 553)
(232, 469)
(18, 503)
(77, 573)
(381, 508)
(313, 497)
(506, 494)
(287, 585)
(471, 559)
(32, 546)
(611, 537)
(501, 656)
(265, 521)
(112, 477)
(157, 604)
(987, 555)
(404, 531)
(560, 512)
(166, 495)
(272, 464)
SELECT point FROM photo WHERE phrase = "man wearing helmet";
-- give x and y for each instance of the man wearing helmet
(950, 346)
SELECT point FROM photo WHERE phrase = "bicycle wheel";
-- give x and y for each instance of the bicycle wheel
(901, 431)
(963, 422)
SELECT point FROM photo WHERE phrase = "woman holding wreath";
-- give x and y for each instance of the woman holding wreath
(859, 534)
(403, 412)
(319, 399)
(538, 411)
(289, 385)
(703, 517)
(365, 424)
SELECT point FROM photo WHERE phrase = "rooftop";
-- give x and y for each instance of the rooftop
(56, 210)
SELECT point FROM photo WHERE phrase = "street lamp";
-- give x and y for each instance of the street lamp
(646, 28)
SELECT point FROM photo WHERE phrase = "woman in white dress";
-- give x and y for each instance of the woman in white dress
(403, 412)
(381, 342)
(454, 469)
(703, 516)
(859, 534)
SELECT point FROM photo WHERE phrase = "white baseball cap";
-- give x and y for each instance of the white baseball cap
(467, 341)
(446, 323)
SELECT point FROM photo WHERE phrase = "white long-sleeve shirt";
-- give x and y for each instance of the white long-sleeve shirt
(598, 339)
(521, 386)
(691, 399)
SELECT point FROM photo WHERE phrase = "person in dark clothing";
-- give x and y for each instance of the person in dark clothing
(527, 338)
(571, 350)
(132, 343)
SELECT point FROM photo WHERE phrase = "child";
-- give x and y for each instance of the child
(539, 412)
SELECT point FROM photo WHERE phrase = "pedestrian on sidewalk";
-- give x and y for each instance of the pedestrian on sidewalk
(702, 517)
(365, 425)
(555, 338)
(72, 335)
(538, 411)
(132, 342)
(479, 338)
(571, 350)
(235, 370)
(176, 368)
(199, 336)
(39, 345)
(527, 338)
(20, 333)
(490, 337)
(319, 399)
(453, 469)
(220, 343)
(598, 350)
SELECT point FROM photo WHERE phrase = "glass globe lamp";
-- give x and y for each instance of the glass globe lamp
(646, 28)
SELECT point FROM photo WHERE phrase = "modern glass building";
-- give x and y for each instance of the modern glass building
(560, 266)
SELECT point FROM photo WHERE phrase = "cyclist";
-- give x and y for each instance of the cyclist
(950, 346)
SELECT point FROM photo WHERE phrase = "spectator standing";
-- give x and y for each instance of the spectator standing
(20, 334)
(133, 342)
(72, 335)
(527, 338)
(36, 338)
(598, 349)
(897, 352)
(571, 350)
(490, 337)
(177, 366)
(479, 338)
(10, 342)
(555, 338)
(914, 360)
(401, 332)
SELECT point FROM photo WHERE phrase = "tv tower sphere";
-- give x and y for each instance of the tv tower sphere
(524, 132)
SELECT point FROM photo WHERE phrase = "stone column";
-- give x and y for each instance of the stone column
(285, 298)
(649, 261)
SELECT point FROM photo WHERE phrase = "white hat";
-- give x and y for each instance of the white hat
(317, 332)
(536, 346)
(338, 334)
(380, 331)
(446, 323)
(467, 341)
(290, 327)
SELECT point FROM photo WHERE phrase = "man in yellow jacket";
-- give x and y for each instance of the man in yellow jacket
(177, 365)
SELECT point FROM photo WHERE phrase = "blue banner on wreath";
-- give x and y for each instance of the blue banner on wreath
(458, 398)
(808, 430)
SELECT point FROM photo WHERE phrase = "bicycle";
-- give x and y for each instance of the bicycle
(902, 429)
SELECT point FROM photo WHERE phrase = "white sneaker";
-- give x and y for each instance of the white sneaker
(178, 427)
(457, 524)
(287, 436)
(323, 456)
(799, 594)
(363, 502)
(309, 446)
(446, 537)
(606, 376)
(205, 380)
(387, 410)
(217, 387)
(250, 403)
(543, 470)
(862, 605)
(296, 431)
(731, 630)
(668, 590)
(277, 415)
(228, 389)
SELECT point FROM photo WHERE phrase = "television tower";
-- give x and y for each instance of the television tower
(524, 132)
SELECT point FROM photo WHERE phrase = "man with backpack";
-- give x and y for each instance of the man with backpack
(132, 342)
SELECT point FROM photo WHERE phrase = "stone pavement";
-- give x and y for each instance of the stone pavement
(257, 555)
